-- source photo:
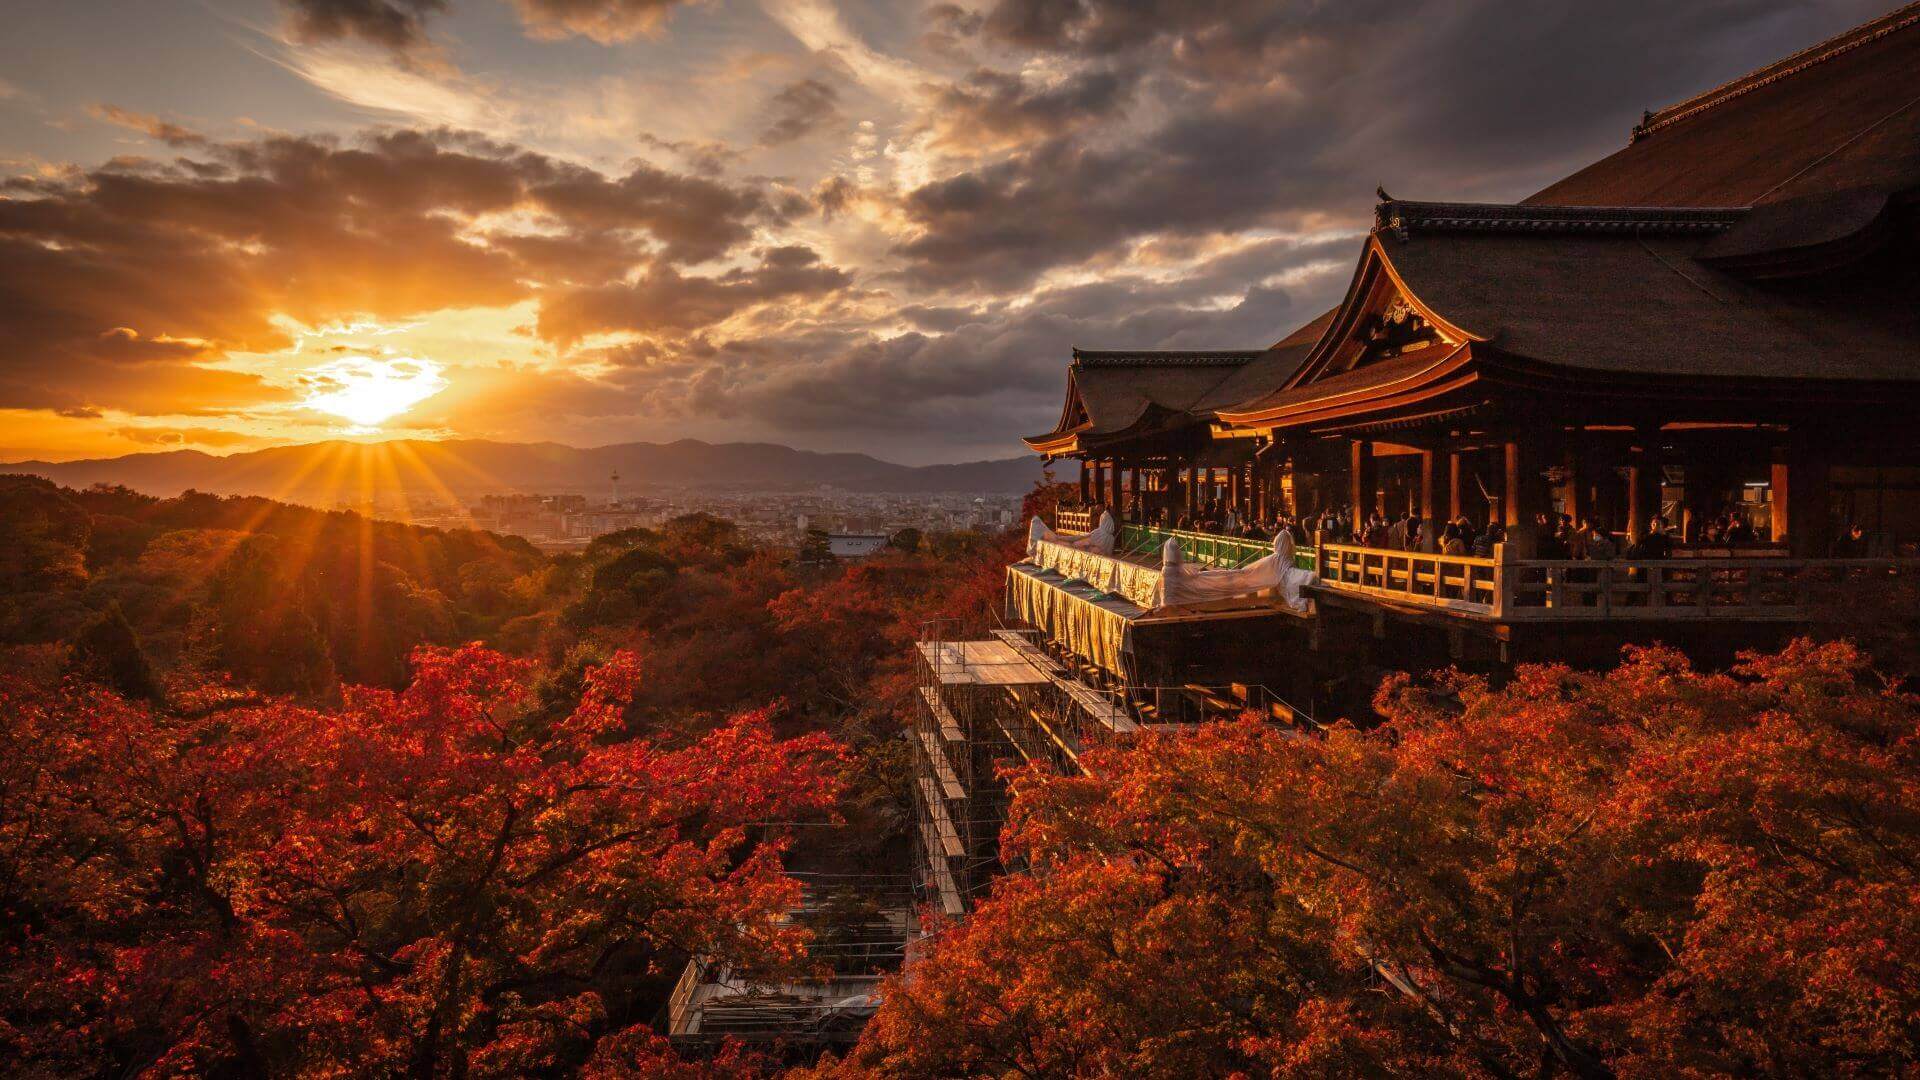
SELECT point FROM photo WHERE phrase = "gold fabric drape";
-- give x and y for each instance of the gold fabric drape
(1091, 624)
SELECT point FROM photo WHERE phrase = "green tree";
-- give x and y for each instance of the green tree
(816, 548)
(108, 649)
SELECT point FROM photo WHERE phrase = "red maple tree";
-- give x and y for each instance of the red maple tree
(446, 880)
(1649, 872)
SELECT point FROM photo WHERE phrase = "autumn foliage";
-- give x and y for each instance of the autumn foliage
(1652, 872)
(453, 879)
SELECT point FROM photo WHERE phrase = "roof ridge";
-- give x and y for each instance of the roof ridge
(1405, 216)
(1813, 55)
(1163, 357)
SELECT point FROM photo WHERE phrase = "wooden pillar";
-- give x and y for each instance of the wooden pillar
(1193, 488)
(1113, 488)
(1453, 486)
(1779, 496)
(1643, 493)
(1133, 491)
(1574, 495)
(1361, 475)
(1807, 488)
(1085, 477)
(1426, 485)
(1234, 491)
(1527, 493)
(1510, 487)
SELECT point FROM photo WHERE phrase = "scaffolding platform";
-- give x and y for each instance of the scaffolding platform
(950, 729)
(945, 888)
(979, 663)
(943, 833)
(1024, 647)
(949, 780)
(1101, 708)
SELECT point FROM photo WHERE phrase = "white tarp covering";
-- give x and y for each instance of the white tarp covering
(1100, 540)
(1139, 584)
(1183, 583)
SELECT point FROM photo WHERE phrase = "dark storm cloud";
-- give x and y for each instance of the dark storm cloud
(121, 287)
(398, 25)
(1286, 115)
(401, 25)
(989, 107)
(799, 108)
(664, 302)
(967, 373)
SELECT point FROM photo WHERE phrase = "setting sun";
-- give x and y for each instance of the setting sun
(368, 391)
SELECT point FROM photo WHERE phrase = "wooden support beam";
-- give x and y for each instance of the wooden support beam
(1086, 477)
(1453, 486)
(1574, 495)
(1510, 489)
(1809, 486)
(1426, 485)
(1362, 495)
(1779, 495)
(1643, 495)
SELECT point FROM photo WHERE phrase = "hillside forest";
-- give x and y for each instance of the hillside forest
(296, 793)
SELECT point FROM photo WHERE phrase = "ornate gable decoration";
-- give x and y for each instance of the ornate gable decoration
(1388, 327)
(1395, 330)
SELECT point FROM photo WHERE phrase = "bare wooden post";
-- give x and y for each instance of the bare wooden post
(1453, 486)
(1504, 572)
(1779, 491)
(1085, 491)
(1426, 485)
(1361, 481)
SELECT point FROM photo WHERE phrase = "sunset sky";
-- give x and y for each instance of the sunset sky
(838, 224)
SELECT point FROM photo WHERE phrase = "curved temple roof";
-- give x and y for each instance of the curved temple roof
(1754, 234)
(1122, 393)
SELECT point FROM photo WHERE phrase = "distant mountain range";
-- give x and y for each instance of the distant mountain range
(331, 471)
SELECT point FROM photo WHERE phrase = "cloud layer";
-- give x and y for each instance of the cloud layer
(856, 225)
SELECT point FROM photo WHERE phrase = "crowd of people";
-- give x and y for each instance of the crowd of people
(1548, 536)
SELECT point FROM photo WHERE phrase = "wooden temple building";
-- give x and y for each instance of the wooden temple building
(1720, 321)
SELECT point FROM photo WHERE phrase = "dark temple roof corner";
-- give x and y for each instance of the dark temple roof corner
(1840, 115)
(1163, 358)
(1405, 217)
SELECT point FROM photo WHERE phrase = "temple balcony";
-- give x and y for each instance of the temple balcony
(1761, 586)
(1102, 617)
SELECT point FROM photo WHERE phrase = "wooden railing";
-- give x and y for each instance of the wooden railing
(1544, 590)
(1761, 585)
(1457, 582)
(1228, 552)
(1078, 521)
(682, 996)
(1720, 588)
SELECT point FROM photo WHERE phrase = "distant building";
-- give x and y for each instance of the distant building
(855, 545)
